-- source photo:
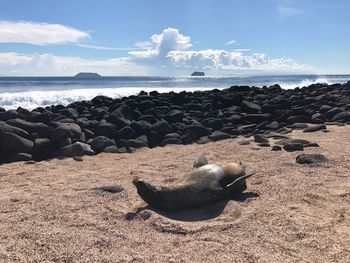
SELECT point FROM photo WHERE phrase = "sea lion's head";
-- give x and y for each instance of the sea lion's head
(234, 170)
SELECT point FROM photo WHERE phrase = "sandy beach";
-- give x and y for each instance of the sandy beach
(289, 213)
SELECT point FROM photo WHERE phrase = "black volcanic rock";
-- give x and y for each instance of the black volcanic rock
(101, 142)
(292, 147)
(4, 127)
(76, 149)
(66, 130)
(250, 107)
(310, 158)
(162, 127)
(106, 129)
(315, 128)
(126, 133)
(156, 119)
(8, 115)
(31, 127)
(12, 143)
(219, 135)
(19, 157)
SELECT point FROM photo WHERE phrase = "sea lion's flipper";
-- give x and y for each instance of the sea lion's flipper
(236, 183)
(200, 161)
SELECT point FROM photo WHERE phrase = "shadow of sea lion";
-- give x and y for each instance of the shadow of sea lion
(194, 214)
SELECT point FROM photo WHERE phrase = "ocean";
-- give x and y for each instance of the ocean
(32, 92)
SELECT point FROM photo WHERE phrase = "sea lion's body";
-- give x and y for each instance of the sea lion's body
(207, 183)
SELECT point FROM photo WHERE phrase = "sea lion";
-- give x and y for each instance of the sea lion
(207, 183)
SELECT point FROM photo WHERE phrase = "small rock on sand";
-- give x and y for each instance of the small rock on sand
(310, 158)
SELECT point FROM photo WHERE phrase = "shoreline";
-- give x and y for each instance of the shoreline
(156, 119)
(41, 92)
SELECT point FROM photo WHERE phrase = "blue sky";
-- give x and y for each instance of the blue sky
(162, 37)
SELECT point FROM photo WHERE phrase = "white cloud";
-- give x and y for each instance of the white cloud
(222, 60)
(242, 49)
(231, 42)
(104, 47)
(169, 51)
(38, 33)
(49, 64)
(159, 45)
(166, 53)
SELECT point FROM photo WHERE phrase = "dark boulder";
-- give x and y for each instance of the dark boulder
(42, 149)
(292, 147)
(41, 117)
(101, 142)
(299, 125)
(106, 129)
(15, 130)
(218, 135)
(31, 127)
(19, 157)
(200, 130)
(141, 126)
(76, 149)
(276, 148)
(174, 116)
(341, 116)
(122, 112)
(264, 144)
(145, 104)
(8, 115)
(172, 135)
(274, 125)
(170, 141)
(162, 127)
(298, 118)
(70, 113)
(118, 121)
(66, 130)
(333, 112)
(154, 139)
(149, 118)
(64, 142)
(190, 137)
(244, 142)
(257, 118)
(260, 138)
(111, 149)
(12, 143)
(315, 128)
(136, 143)
(250, 107)
(126, 133)
(203, 140)
(325, 108)
(214, 123)
(288, 141)
(310, 158)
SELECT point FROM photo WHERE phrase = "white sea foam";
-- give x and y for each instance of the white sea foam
(304, 83)
(34, 99)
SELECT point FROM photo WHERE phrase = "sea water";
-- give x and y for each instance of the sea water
(32, 92)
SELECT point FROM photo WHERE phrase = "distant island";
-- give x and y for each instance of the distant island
(87, 75)
(198, 74)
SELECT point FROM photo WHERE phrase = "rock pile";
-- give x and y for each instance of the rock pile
(156, 119)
